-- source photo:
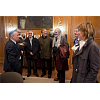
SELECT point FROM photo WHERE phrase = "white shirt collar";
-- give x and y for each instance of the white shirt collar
(81, 43)
(13, 41)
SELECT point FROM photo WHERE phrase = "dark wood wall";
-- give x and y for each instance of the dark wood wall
(68, 24)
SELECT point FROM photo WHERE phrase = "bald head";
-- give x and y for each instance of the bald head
(57, 32)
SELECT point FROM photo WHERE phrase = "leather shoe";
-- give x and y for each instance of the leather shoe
(43, 75)
(49, 76)
(56, 79)
(28, 75)
(23, 78)
(36, 75)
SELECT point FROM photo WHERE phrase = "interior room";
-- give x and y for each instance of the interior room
(67, 24)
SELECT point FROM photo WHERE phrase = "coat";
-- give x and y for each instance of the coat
(86, 63)
(62, 63)
(45, 47)
(12, 55)
(33, 49)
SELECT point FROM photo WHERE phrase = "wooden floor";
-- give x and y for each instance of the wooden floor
(68, 74)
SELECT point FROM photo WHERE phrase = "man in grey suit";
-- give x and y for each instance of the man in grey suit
(57, 42)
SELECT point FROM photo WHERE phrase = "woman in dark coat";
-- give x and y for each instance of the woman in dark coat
(86, 57)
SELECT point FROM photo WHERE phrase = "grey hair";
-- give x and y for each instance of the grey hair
(59, 30)
(29, 31)
(12, 33)
(42, 30)
(76, 28)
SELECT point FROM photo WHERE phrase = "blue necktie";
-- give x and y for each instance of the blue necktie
(17, 45)
(76, 41)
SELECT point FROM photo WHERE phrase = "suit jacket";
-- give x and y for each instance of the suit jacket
(33, 49)
(12, 55)
(62, 63)
(86, 63)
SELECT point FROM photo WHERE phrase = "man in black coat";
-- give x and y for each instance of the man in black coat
(31, 52)
(12, 61)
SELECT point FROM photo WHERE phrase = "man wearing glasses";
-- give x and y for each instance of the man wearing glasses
(31, 52)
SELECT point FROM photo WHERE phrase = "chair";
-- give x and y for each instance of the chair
(11, 77)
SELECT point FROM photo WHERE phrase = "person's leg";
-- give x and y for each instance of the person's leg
(29, 67)
(58, 76)
(21, 64)
(34, 67)
(43, 67)
(62, 76)
(49, 67)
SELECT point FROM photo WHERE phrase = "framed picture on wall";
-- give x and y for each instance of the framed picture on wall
(36, 36)
(35, 22)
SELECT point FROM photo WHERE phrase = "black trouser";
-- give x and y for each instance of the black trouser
(61, 76)
(29, 65)
(21, 65)
(48, 64)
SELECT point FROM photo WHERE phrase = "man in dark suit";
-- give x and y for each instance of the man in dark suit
(31, 52)
(12, 61)
(57, 42)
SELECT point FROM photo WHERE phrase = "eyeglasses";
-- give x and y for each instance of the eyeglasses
(29, 33)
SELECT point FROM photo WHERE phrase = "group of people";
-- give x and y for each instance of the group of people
(85, 54)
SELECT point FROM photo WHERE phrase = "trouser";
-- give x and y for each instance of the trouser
(21, 65)
(61, 73)
(61, 76)
(29, 65)
(48, 64)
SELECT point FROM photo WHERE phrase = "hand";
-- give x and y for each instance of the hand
(31, 53)
(21, 51)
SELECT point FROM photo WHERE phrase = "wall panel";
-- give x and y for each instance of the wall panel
(67, 24)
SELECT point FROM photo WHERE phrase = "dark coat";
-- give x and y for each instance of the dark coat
(86, 63)
(45, 47)
(12, 55)
(34, 48)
